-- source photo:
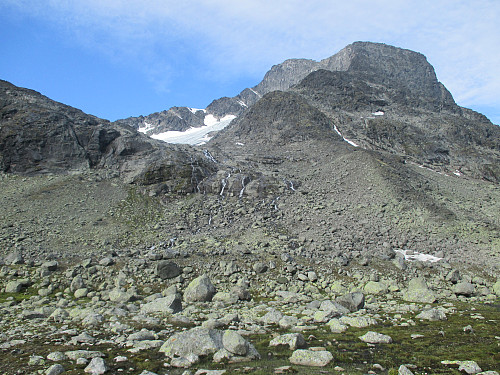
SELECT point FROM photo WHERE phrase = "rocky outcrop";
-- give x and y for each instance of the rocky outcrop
(278, 118)
(38, 135)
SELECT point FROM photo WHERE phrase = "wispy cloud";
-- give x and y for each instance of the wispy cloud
(234, 38)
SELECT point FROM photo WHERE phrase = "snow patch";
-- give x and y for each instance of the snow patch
(240, 144)
(196, 136)
(345, 139)
(147, 127)
(194, 110)
(378, 113)
(351, 142)
(256, 93)
(457, 173)
(415, 255)
(242, 103)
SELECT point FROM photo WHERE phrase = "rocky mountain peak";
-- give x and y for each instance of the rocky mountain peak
(390, 65)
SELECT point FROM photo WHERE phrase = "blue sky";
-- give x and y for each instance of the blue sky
(120, 58)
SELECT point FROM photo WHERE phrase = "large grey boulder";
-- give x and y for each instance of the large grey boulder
(314, 358)
(418, 291)
(432, 315)
(358, 321)
(235, 343)
(15, 257)
(375, 287)
(375, 338)
(403, 370)
(97, 366)
(171, 304)
(496, 288)
(55, 370)
(16, 286)
(119, 295)
(469, 367)
(334, 307)
(336, 326)
(202, 342)
(464, 288)
(167, 270)
(272, 317)
(200, 289)
(292, 340)
(199, 341)
(352, 301)
(77, 283)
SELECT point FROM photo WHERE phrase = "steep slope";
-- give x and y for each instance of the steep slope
(421, 125)
(345, 201)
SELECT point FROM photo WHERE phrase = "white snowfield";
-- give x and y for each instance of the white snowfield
(196, 136)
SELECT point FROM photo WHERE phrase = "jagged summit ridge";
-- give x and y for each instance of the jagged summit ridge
(398, 66)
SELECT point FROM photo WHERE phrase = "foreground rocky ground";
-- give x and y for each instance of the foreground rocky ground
(103, 279)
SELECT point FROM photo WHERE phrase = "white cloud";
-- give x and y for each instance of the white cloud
(234, 38)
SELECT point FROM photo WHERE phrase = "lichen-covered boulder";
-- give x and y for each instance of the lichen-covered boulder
(171, 304)
(418, 291)
(292, 340)
(375, 338)
(313, 358)
(199, 341)
(200, 289)
(203, 342)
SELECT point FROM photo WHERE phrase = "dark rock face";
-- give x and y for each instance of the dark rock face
(38, 135)
(279, 117)
(423, 125)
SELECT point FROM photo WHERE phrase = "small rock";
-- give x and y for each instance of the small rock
(36, 360)
(56, 356)
(453, 276)
(403, 370)
(260, 267)
(80, 293)
(209, 372)
(284, 370)
(50, 266)
(55, 370)
(142, 335)
(106, 262)
(336, 326)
